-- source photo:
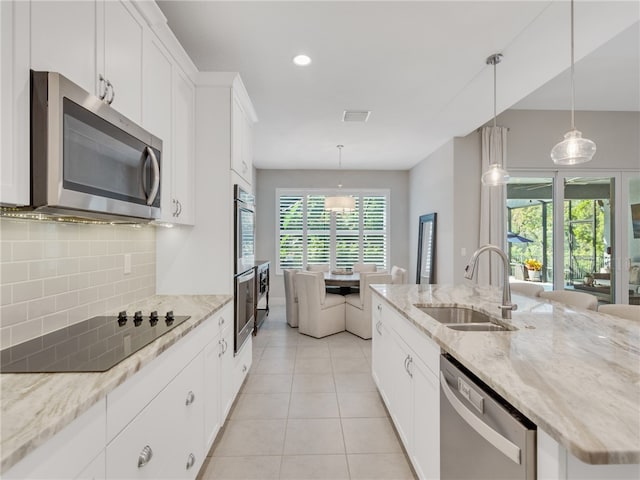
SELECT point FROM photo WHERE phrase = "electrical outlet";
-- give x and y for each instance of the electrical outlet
(127, 263)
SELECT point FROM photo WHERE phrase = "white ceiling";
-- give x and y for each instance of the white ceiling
(419, 66)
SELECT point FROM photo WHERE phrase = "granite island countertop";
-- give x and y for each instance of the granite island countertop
(36, 406)
(574, 373)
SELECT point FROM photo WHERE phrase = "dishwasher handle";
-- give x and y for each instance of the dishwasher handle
(508, 448)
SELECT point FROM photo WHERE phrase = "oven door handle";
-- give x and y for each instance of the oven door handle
(509, 449)
(245, 276)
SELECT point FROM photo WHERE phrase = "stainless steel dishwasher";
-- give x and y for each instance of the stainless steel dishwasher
(481, 435)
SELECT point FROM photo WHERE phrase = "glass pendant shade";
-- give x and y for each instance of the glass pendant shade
(573, 149)
(340, 204)
(495, 175)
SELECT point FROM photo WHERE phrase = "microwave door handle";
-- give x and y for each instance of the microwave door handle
(156, 176)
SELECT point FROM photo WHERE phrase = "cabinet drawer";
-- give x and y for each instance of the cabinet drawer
(167, 431)
(423, 346)
(124, 403)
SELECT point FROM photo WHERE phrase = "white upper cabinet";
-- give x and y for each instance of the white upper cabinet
(14, 103)
(63, 40)
(182, 172)
(241, 140)
(119, 56)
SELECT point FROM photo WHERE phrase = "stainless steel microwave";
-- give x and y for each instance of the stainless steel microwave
(87, 159)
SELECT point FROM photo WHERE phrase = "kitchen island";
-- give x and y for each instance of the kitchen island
(574, 373)
(37, 407)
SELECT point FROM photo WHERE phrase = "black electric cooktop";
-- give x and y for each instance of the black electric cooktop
(94, 345)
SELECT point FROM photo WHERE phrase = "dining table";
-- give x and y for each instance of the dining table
(346, 281)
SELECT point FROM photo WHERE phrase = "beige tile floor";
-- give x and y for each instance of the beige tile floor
(308, 410)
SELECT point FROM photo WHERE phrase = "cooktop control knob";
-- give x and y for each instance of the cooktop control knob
(137, 318)
(122, 318)
(153, 318)
(169, 317)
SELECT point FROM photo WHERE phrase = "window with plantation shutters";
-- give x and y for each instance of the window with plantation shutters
(308, 234)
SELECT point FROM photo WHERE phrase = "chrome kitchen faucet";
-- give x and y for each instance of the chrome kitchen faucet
(507, 307)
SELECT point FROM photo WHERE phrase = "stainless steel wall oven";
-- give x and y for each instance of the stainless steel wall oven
(244, 292)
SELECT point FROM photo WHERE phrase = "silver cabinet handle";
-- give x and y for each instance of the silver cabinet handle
(191, 460)
(112, 90)
(379, 308)
(156, 176)
(175, 207)
(409, 366)
(191, 397)
(179, 208)
(405, 363)
(221, 321)
(509, 449)
(102, 87)
(244, 368)
(145, 456)
(378, 327)
(226, 345)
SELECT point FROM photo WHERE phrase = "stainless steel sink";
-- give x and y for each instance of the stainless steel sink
(455, 315)
(479, 327)
(464, 319)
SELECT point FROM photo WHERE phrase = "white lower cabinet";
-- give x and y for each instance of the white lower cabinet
(165, 440)
(73, 453)
(405, 365)
(226, 371)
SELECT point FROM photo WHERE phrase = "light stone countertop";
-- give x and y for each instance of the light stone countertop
(36, 406)
(574, 373)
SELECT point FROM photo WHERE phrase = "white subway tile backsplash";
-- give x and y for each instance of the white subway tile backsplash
(66, 301)
(55, 249)
(41, 307)
(13, 314)
(88, 264)
(27, 251)
(99, 248)
(6, 251)
(43, 269)
(26, 330)
(54, 274)
(56, 285)
(56, 321)
(81, 248)
(14, 272)
(87, 295)
(5, 294)
(24, 291)
(67, 266)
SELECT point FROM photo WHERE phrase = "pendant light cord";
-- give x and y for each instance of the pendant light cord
(495, 89)
(573, 88)
(339, 165)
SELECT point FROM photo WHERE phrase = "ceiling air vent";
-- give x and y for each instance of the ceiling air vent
(355, 115)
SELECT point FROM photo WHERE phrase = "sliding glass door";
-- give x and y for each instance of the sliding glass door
(589, 235)
(530, 229)
(630, 240)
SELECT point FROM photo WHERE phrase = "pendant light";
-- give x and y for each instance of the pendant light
(573, 149)
(495, 175)
(340, 203)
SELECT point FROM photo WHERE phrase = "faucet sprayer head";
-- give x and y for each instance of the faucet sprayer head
(469, 270)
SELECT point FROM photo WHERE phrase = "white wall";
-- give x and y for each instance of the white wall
(267, 181)
(533, 133)
(431, 190)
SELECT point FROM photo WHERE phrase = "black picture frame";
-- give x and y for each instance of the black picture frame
(425, 273)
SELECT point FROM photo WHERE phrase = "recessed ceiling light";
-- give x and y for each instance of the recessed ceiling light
(302, 60)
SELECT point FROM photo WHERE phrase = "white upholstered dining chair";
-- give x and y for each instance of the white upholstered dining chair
(630, 312)
(291, 296)
(318, 267)
(398, 275)
(526, 288)
(574, 299)
(358, 305)
(319, 313)
(364, 267)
